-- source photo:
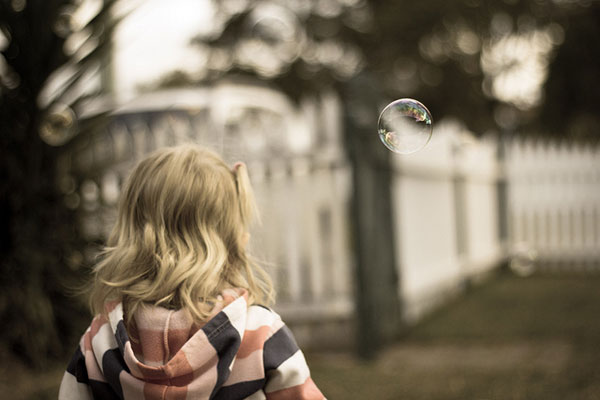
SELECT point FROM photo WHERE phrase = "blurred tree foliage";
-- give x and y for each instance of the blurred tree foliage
(572, 100)
(451, 55)
(441, 54)
(40, 250)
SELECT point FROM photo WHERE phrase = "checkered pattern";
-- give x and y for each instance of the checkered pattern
(240, 353)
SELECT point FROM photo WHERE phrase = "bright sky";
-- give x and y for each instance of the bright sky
(154, 40)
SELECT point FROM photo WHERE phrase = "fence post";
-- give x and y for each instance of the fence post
(503, 215)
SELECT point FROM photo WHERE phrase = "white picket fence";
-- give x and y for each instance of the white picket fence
(446, 216)
(554, 202)
(447, 204)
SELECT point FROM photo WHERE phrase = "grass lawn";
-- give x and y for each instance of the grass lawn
(511, 338)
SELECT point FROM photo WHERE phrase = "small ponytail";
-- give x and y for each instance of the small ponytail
(248, 209)
(257, 278)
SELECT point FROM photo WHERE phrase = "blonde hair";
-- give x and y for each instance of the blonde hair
(180, 236)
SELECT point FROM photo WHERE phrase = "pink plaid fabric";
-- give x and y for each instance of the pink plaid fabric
(242, 352)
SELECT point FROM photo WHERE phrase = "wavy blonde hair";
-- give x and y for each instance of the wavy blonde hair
(180, 236)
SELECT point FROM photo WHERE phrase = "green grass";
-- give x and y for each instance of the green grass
(511, 338)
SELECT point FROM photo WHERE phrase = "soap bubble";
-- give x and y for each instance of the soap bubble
(405, 126)
(523, 260)
(58, 125)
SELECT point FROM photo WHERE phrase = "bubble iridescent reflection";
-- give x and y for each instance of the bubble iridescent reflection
(405, 126)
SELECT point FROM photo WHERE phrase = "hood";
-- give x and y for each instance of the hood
(166, 347)
(167, 352)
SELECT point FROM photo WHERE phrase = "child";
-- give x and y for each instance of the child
(177, 298)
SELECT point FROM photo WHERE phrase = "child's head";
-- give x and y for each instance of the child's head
(180, 235)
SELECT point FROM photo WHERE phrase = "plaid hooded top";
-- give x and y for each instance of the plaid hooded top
(241, 352)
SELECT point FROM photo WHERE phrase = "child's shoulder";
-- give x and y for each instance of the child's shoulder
(260, 315)
(268, 309)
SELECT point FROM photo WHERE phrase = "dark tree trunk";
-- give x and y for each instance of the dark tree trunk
(36, 229)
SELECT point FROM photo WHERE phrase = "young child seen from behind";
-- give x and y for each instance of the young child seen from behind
(180, 306)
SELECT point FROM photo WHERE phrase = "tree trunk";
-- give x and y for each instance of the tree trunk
(377, 280)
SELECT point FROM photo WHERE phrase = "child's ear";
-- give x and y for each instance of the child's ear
(245, 239)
